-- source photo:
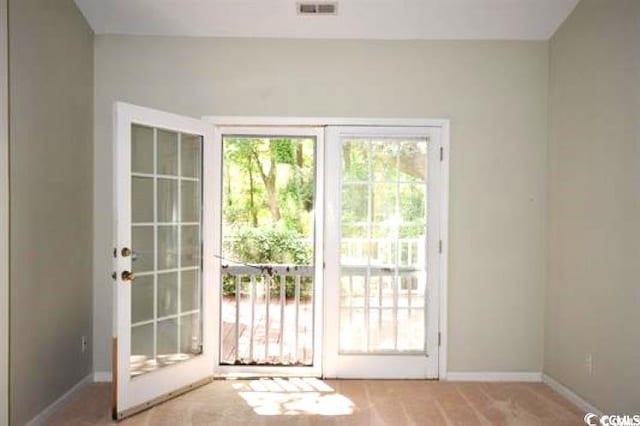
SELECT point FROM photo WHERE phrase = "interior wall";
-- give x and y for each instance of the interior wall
(495, 94)
(51, 157)
(4, 219)
(592, 296)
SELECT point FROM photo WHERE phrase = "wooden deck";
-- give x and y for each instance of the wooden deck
(281, 343)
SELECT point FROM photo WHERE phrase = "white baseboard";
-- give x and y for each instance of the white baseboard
(41, 418)
(494, 376)
(102, 377)
(579, 402)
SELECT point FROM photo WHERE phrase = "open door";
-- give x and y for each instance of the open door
(165, 183)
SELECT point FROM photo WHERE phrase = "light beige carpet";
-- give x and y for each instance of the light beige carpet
(339, 402)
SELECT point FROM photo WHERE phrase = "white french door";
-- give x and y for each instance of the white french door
(361, 298)
(165, 184)
(382, 252)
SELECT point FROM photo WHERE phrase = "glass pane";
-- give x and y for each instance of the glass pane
(190, 246)
(189, 291)
(167, 153)
(142, 299)
(384, 160)
(141, 149)
(355, 203)
(167, 200)
(167, 294)
(142, 246)
(382, 335)
(383, 209)
(413, 161)
(383, 251)
(190, 194)
(352, 330)
(142, 341)
(355, 160)
(168, 336)
(190, 155)
(163, 289)
(167, 247)
(190, 334)
(141, 199)
(413, 203)
(411, 329)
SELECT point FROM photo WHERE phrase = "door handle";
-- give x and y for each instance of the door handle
(127, 276)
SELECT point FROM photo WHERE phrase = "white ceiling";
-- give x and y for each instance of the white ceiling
(356, 19)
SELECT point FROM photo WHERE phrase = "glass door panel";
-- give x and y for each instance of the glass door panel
(167, 233)
(384, 247)
(384, 198)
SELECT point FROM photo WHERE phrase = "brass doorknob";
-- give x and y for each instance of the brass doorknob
(127, 276)
(126, 251)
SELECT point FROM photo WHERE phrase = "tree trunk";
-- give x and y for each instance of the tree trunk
(269, 180)
(252, 206)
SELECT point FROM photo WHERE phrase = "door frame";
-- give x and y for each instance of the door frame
(318, 313)
(444, 125)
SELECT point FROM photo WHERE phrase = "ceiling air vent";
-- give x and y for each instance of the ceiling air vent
(317, 8)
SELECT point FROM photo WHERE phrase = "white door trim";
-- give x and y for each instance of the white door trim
(227, 120)
(4, 216)
(444, 125)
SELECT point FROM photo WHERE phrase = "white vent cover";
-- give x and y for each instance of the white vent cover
(323, 8)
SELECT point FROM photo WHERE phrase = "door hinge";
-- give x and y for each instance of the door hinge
(439, 339)
(441, 154)
(440, 246)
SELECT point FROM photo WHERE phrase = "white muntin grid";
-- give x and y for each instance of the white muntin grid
(393, 265)
(177, 224)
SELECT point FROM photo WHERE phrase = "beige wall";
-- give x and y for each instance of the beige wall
(495, 94)
(593, 291)
(51, 157)
(4, 219)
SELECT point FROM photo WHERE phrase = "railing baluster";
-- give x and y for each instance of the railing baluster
(253, 315)
(237, 318)
(350, 300)
(297, 298)
(267, 286)
(409, 286)
(282, 301)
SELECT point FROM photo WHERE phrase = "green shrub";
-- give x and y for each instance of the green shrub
(271, 246)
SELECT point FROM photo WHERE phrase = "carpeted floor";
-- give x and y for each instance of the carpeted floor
(339, 402)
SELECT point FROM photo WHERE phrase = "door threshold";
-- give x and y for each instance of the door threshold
(255, 372)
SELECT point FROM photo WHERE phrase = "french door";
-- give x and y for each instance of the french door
(164, 260)
(382, 253)
(271, 250)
